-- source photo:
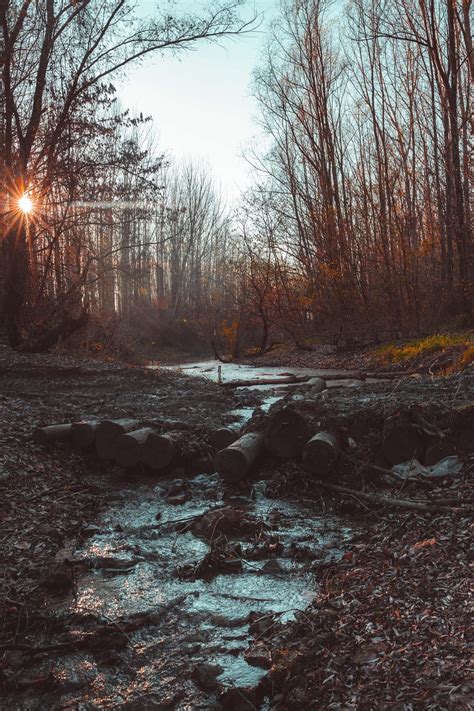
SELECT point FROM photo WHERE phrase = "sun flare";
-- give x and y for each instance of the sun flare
(25, 204)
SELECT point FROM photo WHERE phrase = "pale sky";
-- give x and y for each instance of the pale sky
(201, 103)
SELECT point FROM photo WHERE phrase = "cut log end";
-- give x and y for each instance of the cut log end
(223, 437)
(52, 433)
(107, 433)
(321, 454)
(286, 433)
(234, 462)
(160, 450)
(128, 447)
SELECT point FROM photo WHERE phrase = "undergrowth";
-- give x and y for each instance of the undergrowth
(462, 345)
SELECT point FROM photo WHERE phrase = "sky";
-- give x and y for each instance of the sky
(201, 102)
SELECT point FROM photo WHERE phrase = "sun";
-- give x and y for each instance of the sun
(25, 203)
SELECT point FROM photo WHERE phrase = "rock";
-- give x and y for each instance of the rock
(316, 385)
(205, 675)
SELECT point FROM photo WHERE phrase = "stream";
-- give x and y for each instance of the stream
(133, 556)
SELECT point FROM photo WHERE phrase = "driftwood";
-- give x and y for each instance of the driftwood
(108, 432)
(286, 433)
(128, 447)
(159, 449)
(222, 437)
(234, 462)
(53, 433)
(83, 434)
(402, 440)
(320, 454)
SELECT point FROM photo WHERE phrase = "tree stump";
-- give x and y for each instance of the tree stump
(234, 462)
(321, 454)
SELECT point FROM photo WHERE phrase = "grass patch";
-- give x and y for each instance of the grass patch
(419, 348)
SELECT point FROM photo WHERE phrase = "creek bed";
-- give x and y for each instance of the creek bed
(134, 557)
(128, 567)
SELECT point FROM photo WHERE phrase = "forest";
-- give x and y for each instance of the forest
(359, 224)
(236, 428)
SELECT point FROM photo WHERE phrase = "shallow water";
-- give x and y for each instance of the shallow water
(134, 558)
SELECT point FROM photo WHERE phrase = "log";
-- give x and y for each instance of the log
(234, 462)
(160, 449)
(83, 434)
(52, 433)
(321, 454)
(107, 432)
(222, 438)
(402, 440)
(283, 380)
(128, 447)
(286, 433)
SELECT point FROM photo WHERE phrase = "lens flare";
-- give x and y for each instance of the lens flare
(25, 204)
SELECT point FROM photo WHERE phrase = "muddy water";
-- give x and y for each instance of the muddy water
(132, 560)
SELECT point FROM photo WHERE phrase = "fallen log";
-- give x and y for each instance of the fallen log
(321, 454)
(52, 433)
(128, 447)
(284, 380)
(159, 450)
(234, 462)
(402, 440)
(286, 433)
(223, 437)
(108, 432)
(83, 434)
